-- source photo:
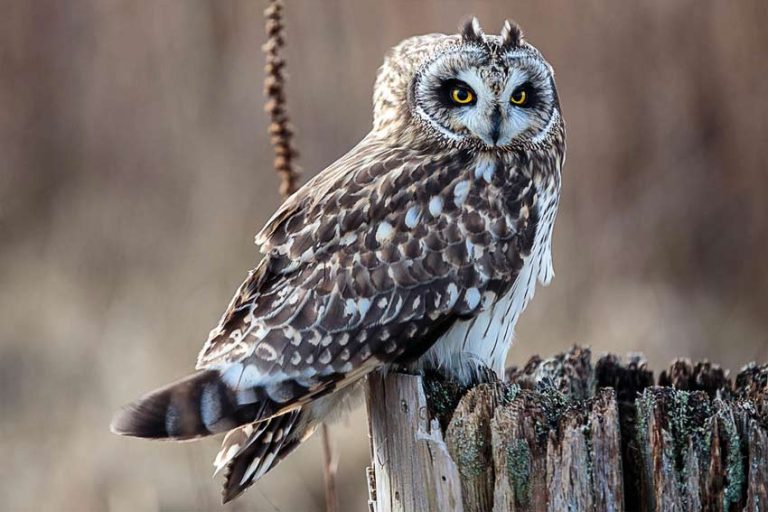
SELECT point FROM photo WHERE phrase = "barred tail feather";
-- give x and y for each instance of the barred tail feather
(198, 405)
(250, 451)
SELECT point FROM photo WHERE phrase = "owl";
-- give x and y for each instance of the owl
(418, 249)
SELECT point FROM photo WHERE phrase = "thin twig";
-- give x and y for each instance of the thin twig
(281, 138)
(329, 472)
(280, 129)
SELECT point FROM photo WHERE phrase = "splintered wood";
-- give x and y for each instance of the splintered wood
(408, 441)
(563, 434)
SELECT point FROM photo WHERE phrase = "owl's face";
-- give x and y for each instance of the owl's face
(488, 92)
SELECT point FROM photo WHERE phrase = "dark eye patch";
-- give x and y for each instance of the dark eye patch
(532, 97)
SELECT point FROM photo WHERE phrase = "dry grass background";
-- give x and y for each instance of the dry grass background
(134, 170)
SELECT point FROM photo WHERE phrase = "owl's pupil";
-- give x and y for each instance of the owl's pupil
(462, 94)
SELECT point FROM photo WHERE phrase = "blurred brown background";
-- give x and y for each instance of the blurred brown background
(135, 169)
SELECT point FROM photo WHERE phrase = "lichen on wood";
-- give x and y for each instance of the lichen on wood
(564, 434)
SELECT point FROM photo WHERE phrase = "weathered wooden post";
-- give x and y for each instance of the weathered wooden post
(563, 434)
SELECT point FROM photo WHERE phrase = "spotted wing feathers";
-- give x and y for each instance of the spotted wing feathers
(367, 262)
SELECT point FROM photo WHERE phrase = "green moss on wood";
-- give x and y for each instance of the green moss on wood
(519, 470)
(443, 396)
(469, 450)
(509, 393)
(554, 404)
(734, 468)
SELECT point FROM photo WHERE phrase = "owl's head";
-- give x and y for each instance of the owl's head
(488, 92)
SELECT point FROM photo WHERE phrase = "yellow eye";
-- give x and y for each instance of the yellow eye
(462, 96)
(519, 97)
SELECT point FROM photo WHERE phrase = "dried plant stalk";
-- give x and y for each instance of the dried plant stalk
(280, 129)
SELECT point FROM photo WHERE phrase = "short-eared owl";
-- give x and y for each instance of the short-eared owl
(420, 248)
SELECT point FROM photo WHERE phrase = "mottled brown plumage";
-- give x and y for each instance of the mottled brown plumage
(419, 248)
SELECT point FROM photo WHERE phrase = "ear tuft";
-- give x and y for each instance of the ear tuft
(511, 34)
(471, 31)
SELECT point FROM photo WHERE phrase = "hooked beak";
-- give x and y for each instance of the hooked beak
(495, 128)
